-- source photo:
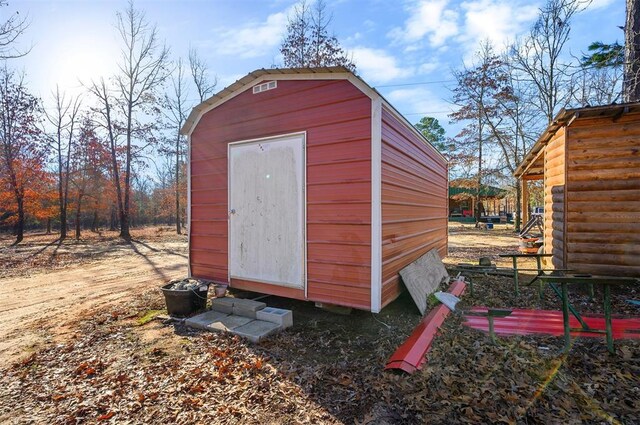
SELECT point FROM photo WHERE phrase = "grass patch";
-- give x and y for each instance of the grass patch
(149, 315)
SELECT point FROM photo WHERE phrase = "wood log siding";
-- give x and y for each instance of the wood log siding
(603, 195)
(414, 202)
(554, 198)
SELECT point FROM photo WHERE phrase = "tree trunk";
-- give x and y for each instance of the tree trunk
(112, 225)
(477, 211)
(178, 230)
(62, 201)
(94, 222)
(20, 223)
(124, 226)
(125, 207)
(632, 52)
(49, 226)
(63, 223)
(79, 205)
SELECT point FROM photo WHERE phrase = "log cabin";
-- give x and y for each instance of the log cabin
(589, 161)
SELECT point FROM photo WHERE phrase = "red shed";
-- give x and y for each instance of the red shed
(308, 184)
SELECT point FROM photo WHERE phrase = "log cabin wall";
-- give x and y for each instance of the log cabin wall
(554, 198)
(603, 195)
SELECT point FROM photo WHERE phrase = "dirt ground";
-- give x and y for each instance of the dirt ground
(48, 286)
(96, 353)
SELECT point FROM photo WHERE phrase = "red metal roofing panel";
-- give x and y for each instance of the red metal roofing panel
(410, 356)
(549, 322)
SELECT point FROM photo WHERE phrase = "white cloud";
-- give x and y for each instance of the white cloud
(428, 18)
(429, 67)
(599, 4)
(254, 39)
(442, 23)
(377, 66)
(495, 20)
(417, 102)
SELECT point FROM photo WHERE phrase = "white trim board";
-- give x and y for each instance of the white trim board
(189, 206)
(376, 205)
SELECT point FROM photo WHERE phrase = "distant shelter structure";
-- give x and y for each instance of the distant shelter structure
(495, 202)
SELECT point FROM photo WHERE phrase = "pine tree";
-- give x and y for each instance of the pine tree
(308, 43)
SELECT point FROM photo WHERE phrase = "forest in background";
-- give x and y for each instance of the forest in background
(113, 157)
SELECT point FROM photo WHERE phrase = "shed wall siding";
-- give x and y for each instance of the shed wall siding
(603, 195)
(336, 118)
(414, 202)
(554, 198)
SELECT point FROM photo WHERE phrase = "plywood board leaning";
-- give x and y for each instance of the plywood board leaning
(423, 277)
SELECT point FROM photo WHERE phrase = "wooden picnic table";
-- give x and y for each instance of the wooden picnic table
(514, 257)
(606, 282)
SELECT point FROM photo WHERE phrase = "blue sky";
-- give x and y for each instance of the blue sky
(397, 45)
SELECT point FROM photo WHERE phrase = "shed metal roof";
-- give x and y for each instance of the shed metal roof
(485, 191)
(330, 72)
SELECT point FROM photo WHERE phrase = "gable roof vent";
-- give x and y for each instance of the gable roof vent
(264, 87)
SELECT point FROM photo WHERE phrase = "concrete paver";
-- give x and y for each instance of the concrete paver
(243, 321)
(279, 316)
(201, 321)
(224, 304)
(256, 330)
(229, 323)
(243, 307)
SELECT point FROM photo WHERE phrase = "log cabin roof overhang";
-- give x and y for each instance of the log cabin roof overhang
(532, 166)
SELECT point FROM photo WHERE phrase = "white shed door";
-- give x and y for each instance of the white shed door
(267, 211)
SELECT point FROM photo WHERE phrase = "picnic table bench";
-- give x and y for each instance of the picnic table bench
(540, 271)
(467, 269)
(605, 281)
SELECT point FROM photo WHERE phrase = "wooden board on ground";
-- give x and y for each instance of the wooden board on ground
(423, 277)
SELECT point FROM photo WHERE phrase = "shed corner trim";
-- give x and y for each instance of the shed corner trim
(376, 204)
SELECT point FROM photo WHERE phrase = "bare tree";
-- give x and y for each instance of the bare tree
(176, 103)
(63, 119)
(200, 75)
(308, 43)
(131, 99)
(80, 169)
(631, 85)
(597, 86)
(10, 31)
(508, 115)
(89, 165)
(519, 131)
(539, 55)
(296, 47)
(473, 95)
(598, 80)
